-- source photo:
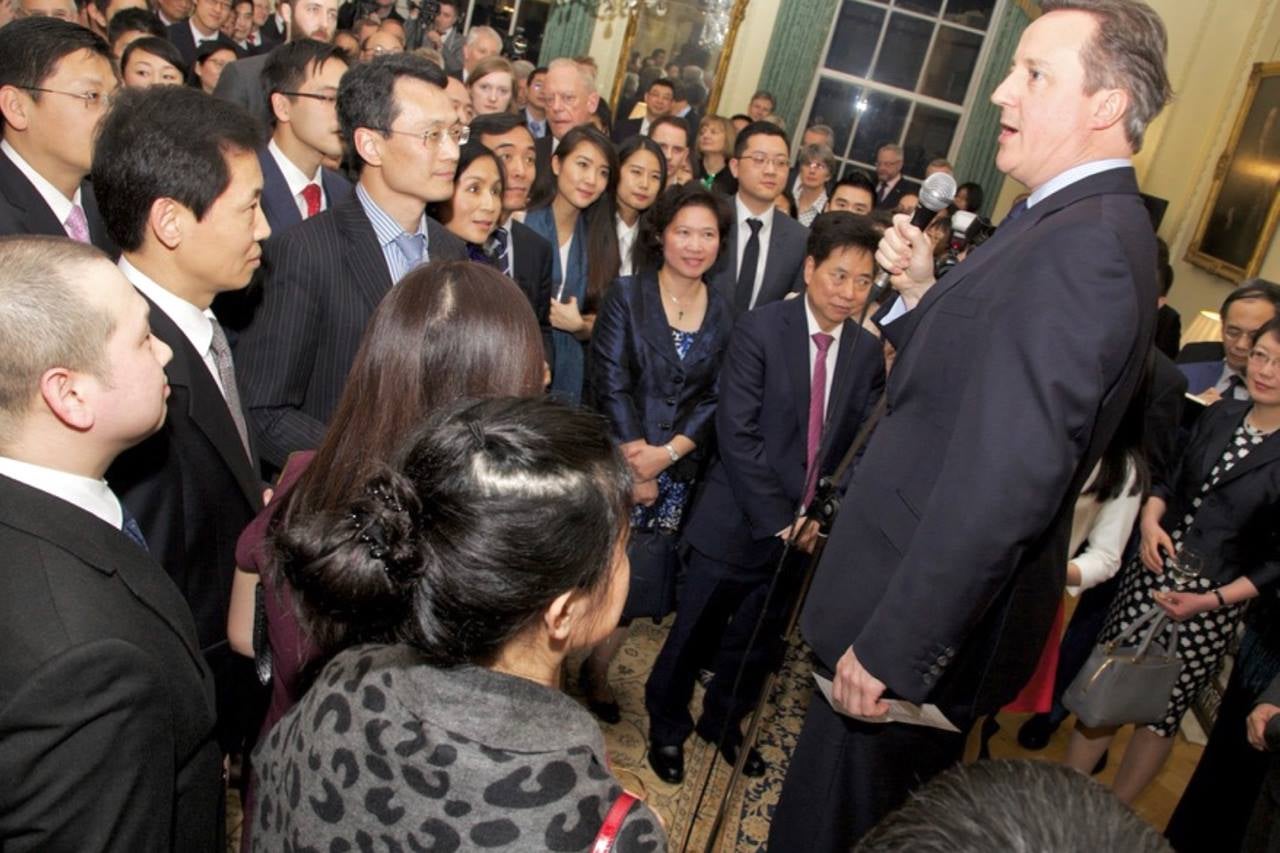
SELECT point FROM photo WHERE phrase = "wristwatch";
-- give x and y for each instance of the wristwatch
(671, 451)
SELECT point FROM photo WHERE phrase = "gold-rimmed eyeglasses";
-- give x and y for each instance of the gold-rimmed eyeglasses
(90, 99)
(432, 137)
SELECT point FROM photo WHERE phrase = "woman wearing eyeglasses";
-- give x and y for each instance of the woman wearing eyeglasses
(817, 163)
(1222, 505)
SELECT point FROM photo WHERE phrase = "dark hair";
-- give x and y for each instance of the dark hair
(165, 142)
(489, 512)
(207, 50)
(975, 194)
(1252, 288)
(742, 116)
(160, 48)
(456, 4)
(602, 232)
(539, 71)
(366, 96)
(1271, 327)
(289, 65)
(756, 128)
(1163, 267)
(1128, 445)
(496, 124)
(674, 121)
(1012, 804)
(31, 48)
(662, 81)
(767, 96)
(649, 249)
(840, 229)
(856, 178)
(133, 20)
(789, 197)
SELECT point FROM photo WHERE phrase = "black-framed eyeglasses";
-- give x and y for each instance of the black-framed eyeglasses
(328, 99)
(90, 99)
(459, 133)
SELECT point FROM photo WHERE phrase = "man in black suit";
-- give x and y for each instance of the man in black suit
(106, 706)
(301, 78)
(55, 78)
(657, 103)
(774, 443)
(268, 26)
(325, 276)
(763, 259)
(188, 232)
(241, 81)
(202, 27)
(891, 186)
(528, 257)
(945, 567)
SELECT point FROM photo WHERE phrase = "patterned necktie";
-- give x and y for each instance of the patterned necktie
(413, 247)
(496, 250)
(747, 270)
(1234, 384)
(227, 376)
(77, 225)
(817, 411)
(129, 527)
(311, 195)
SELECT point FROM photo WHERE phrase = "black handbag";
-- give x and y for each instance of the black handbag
(1130, 678)
(655, 567)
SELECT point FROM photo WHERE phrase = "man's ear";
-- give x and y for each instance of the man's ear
(368, 145)
(13, 107)
(63, 393)
(164, 221)
(280, 107)
(1110, 107)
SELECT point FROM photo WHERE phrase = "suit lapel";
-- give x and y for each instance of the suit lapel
(363, 256)
(795, 342)
(1263, 454)
(276, 198)
(23, 196)
(846, 366)
(337, 189)
(654, 327)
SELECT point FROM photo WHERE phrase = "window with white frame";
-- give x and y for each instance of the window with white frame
(899, 71)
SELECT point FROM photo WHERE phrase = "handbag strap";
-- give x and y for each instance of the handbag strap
(613, 822)
(1130, 632)
(1159, 620)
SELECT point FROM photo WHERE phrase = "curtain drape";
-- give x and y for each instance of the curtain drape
(795, 53)
(569, 29)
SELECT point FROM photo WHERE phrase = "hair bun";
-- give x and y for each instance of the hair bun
(386, 521)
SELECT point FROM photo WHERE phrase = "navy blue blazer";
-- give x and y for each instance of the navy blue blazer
(277, 202)
(762, 423)
(1237, 525)
(641, 385)
(1202, 375)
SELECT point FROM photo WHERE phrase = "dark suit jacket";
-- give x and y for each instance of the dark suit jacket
(946, 565)
(323, 280)
(271, 32)
(640, 383)
(762, 423)
(1237, 525)
(901, 188)
(241, 83)
(534, 261)
(106, 705)
(191, 486)
(451, 50)
(24, 211)
(783, 268)
(277, 201)
(180, 35)
(1165, 402)
(1201, 375)
(1168, 330)
(625, 129)
(544, 183)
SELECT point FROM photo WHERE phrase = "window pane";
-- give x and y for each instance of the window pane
(854, 42)
(929, 137)
(880, 122)
(835, 105)
(955, 55)
(848, 168)
(928, 7)
(970, 13)
(530, 25)
(905, 43)
(491, 13)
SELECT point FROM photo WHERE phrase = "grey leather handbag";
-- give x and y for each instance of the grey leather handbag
(1129, 679)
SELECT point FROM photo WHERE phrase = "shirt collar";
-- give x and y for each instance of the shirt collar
(624, 228)
(197, 36)
(92, 496)
(58, 203)
(295, 178)
(814, 328)
(195, 324)
(1074, 174)
(743, 215)
(384, 226)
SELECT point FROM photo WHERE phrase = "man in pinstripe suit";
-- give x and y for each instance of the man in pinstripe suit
(325, 276)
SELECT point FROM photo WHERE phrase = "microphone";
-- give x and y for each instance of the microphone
(937, 192)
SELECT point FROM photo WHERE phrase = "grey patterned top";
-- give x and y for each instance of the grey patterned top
(386, 752)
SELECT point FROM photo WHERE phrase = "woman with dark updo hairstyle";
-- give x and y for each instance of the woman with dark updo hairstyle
(490, 550)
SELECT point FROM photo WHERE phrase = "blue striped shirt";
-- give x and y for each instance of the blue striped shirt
(387, 230)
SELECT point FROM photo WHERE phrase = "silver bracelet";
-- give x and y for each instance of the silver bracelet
(671, 451)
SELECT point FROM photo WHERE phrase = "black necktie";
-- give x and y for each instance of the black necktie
(747, 270)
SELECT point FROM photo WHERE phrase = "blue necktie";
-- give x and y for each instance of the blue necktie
(413, 247)
(496, 250)
(131, 529)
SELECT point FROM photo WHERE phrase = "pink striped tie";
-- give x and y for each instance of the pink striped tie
(817, 411)
(77, 226)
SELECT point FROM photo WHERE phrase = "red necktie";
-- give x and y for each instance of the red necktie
(311, 195)
(817, 412)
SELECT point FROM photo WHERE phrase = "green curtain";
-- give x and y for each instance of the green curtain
(976, 160)
(795, 53)
(569, 29)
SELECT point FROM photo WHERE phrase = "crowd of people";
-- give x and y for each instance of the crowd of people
(355, 378)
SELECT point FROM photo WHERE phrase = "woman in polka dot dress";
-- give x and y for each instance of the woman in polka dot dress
(1223, 503)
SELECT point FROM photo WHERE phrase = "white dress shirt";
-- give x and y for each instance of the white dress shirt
(93, 496)
(196, 325)
(58, 203)
(744, 234)
(296, 179)
(626, 243)
(1106, 527)
(833, 352)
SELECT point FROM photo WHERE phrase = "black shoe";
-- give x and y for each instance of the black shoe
(667, 762)
(1035, 733)
(1101, 765)
(753, 767)
(606, 712)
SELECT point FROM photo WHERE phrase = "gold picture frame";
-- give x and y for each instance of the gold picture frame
(658, 32)
(1239, 219)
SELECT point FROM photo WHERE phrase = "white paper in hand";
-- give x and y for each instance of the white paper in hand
(899, 711)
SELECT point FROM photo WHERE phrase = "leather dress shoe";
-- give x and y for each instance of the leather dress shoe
(755, 765)
(1035, 733)
(667, 762)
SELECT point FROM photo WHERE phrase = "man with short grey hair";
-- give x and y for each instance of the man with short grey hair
(482, 43)
(891, 186)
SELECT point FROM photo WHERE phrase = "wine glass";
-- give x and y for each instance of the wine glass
(1186, 567)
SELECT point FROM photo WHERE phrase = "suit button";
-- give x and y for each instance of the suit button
(935, 670)
(664, 425)
(671, 401)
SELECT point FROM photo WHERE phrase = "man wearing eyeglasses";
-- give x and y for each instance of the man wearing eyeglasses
(763, 260)
(1214, 372)
(55, 80)
(890, 185)
(325, 276)
(204, 26)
